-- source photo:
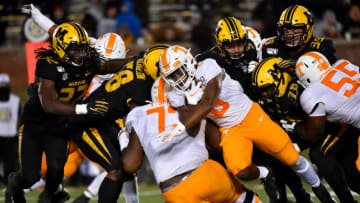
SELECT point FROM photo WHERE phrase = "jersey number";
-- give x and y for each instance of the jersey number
(121, 78)
(160, 110)
(336, 86)
(220, 108)
(70, 91)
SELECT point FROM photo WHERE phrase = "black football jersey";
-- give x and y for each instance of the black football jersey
(130, 84)
(70, 88)
(274, 47)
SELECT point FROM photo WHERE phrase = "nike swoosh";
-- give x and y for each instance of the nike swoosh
(261, 118)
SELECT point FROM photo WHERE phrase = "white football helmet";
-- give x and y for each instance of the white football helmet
(177, 59)
(310, 67)
(110, 46)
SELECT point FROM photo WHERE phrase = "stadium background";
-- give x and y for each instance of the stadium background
(188, 22)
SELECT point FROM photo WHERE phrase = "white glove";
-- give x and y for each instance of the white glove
(193, 96)
(39, 18)
(288, 126)
(123, 137)
(165, 136)
(251, 66)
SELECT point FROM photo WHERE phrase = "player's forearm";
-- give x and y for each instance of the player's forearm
(58, 107)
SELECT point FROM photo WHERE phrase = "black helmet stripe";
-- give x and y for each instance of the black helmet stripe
(287, 14)
(80, 31)
(157, 47)
(292, 13)
(77, 30)
(230, 25)
(257, 70)
(236, 28)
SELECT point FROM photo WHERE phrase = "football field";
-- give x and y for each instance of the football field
(151, 194)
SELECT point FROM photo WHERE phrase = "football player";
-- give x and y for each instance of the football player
(279, 96)
(179, 173)
(222, 99)
(63, 73)
(295, 37)
(331, 94)
(235, 49)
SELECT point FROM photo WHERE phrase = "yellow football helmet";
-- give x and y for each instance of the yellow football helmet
(69, 35)
(151, 60)
(229, 31)
(294, 17)
(267, 74)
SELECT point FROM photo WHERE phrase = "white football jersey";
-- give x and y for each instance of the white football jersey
(232, 104)
(339, 91)
(168, 158)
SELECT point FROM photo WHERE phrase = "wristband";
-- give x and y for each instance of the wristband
(263, 171)
(81, 109)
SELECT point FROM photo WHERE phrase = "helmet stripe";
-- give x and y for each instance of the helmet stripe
(292, 13)
(161, 92)
(257, 70)
(110, 44)
(231, 27)
(319, 58)
(81, 32)
(236, 27)
(164, 61)
(228, 25)
(289, 13)
(157, 47)
(78, 31)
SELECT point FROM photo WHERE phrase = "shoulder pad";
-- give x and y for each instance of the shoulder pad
(270, 40)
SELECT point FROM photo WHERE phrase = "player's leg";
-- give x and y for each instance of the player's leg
(208, 183)
(30, 152)
(56, 146)
(100, 145)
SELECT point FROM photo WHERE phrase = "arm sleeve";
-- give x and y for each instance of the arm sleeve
(328, 49)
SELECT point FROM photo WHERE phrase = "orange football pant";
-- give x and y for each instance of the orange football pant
(208, 183)
(257, 129)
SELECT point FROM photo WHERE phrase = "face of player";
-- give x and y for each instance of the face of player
(292, 36)
(179, 77)
(77, 54)
(235, 50)
(267, 93)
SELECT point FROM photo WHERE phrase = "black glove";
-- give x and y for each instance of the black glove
(287, 66)
(97, 108)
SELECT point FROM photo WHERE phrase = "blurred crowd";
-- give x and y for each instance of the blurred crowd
(148, 21)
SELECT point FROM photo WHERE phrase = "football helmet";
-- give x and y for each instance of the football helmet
(268, 75)
(229, 31)
(151, 60)
(70, 43)
(177, 67)
(110, 46)
(310, 67)
(295, 17)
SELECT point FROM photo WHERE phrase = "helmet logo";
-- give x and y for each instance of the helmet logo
(61, 33)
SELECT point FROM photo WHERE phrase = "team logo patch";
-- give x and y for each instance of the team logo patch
(60, 69)
(65, 76)
(272, 51)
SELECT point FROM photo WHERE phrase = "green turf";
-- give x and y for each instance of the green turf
(151, 194)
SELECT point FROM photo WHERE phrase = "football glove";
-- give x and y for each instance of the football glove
(165, 136)
(39, 18)
(287, 65)
(194, 94)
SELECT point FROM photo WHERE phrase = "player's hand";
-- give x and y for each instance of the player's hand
(123, 137)
(166, 136)
(194, 94)
(288, 126)
(287, 65)
(30, 9)
(97, 108)
(251, 66)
